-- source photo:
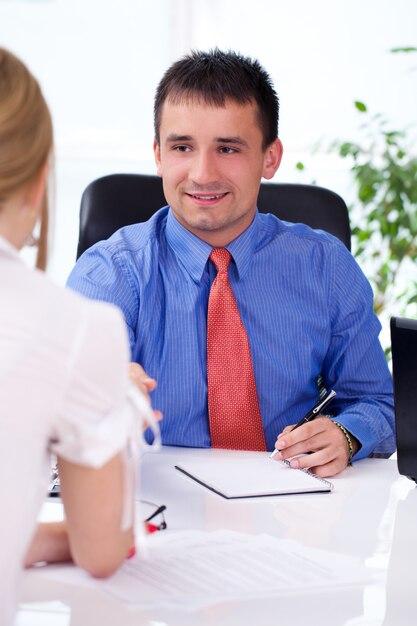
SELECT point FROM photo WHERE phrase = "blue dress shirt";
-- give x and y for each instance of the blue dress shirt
(305, 303)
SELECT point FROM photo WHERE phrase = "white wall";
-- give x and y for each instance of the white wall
(99, 62)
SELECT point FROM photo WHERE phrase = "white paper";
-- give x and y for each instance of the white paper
(248, 476)
(192, 570)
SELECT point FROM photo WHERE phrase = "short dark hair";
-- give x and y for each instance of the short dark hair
(216, 76)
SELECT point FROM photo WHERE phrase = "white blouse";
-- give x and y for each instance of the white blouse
(63, 389)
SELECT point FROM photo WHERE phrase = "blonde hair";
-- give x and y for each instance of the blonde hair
(26, 136)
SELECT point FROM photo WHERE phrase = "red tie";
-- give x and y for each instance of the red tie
(234, 415)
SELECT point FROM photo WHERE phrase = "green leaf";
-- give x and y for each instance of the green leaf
(360, 106)
(403, 49)
(299, 166)
(348, 149)
(383, 210)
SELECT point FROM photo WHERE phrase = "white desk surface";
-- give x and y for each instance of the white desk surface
(371, 514)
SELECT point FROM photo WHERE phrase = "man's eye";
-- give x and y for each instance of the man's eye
(227, 150)
(181, 148)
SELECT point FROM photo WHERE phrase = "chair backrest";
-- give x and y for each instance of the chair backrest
(117, 200)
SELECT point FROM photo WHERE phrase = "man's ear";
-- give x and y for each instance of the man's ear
(272, 159)
(157, 155)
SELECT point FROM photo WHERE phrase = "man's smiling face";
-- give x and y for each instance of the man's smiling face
(211, 161)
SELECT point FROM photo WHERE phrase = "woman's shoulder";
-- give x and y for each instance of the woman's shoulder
(56, 313)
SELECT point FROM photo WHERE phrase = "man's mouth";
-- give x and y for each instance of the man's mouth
(207, 197)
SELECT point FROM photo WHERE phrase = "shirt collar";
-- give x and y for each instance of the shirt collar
(193, 252)
(243, 247)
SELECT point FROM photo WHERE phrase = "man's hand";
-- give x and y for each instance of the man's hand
(326, 443)
(141, 379)
(144, 383)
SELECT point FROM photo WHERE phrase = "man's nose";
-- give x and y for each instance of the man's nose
(204, 169)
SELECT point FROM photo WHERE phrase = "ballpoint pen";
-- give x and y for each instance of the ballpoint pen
(313, 413)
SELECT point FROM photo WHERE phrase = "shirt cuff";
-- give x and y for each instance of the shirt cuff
(361, 431)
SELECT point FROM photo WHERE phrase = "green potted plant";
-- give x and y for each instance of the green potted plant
(383, 214)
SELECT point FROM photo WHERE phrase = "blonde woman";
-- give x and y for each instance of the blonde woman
(64, 385)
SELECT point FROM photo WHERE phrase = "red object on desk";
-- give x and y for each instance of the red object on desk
(131, 552)
(151, 528)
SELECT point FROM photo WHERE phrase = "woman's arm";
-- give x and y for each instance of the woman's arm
(91, 534)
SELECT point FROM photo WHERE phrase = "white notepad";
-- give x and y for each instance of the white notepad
(251, 477)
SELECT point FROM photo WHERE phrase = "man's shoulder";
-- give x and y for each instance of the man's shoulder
(130, 252)
(281, 232)
(133, 240)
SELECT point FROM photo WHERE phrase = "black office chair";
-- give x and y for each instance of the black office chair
(117, 200)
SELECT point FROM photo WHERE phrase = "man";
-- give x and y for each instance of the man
(305, 305)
